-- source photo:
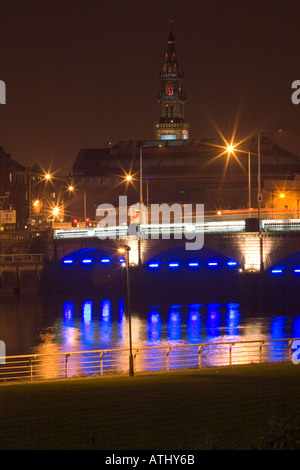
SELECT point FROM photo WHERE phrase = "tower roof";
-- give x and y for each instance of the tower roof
(171, 63)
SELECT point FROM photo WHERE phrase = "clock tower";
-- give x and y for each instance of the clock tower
(171, 124)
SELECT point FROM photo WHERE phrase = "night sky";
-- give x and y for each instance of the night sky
(85, 72)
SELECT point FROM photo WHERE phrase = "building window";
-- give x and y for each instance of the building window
(169, 89)
(168, 137)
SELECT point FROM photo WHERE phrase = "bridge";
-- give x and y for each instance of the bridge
(236, 242)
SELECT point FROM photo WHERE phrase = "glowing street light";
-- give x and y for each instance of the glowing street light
(55, 211)
(124, 250)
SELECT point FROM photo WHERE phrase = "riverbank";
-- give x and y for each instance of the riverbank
(240, 407)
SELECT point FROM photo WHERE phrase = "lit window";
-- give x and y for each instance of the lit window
(169, 89)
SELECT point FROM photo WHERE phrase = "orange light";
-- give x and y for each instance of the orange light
(128, 178)
(282, 195)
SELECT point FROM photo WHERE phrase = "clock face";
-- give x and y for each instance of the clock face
(169, 89)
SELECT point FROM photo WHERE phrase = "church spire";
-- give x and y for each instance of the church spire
(171, 64)
(171, 124)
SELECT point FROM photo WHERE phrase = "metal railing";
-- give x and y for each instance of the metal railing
(22, 258)
(154, 358)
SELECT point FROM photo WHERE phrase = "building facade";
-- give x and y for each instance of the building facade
(13, 192)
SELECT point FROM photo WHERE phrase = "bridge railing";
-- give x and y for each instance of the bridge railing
(22, 258)
(153, 230)
(153, 358)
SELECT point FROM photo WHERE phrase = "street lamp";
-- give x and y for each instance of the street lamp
(55, 212)
(124, 249)
(148, 144)
(71, 188)
(231, 149)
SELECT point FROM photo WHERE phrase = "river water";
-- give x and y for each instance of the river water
(40, 323)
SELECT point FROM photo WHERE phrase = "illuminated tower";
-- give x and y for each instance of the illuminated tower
(171, 124)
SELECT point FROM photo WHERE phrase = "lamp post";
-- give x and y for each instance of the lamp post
(149, 145)
(231, 149)
(124, 249)
(71, 189)
(259, 195)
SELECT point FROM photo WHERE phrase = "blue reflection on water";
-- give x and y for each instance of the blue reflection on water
(154, 326)
(105, 321)
(87, 310)
(68, 312)
(194, 325)
(232, 319)
(296, 327)
(104, 325)
(213, 320)
(277, 331)
(174, 323)
(121, 310)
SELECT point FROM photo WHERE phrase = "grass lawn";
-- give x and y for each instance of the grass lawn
(240, 407)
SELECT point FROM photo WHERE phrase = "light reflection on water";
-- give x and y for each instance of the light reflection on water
(43, 326)
(105, 326)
